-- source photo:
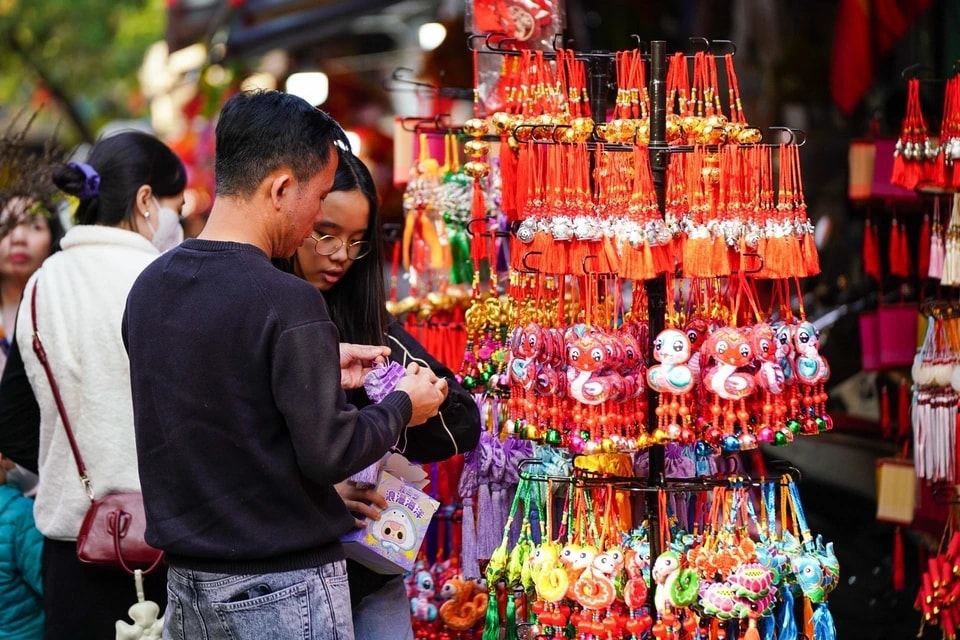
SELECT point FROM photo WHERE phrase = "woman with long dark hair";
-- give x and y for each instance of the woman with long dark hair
(343, 258)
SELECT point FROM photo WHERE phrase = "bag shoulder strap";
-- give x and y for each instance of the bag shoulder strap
(42, 356)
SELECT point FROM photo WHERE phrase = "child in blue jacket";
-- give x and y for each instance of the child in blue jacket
(21, 547)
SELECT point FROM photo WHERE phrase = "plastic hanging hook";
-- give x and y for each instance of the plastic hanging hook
(641, 43)
(476, 41)
(716, 47)
(563, 45)
(495, 40)
(797, 137)
(473, 221)
(917, 71)
(421, 124)
(401, 80)
(523, 261)
(583, 263)
(752, 255)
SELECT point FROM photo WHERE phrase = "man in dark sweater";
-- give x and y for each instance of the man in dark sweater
(238, 376)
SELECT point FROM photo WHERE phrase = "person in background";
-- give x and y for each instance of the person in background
(34, 233)
(241, 416)
(21, 546)
(30, 230)
(129, 192)
(340, 258)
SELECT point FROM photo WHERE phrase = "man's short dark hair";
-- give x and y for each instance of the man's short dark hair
(260, 131)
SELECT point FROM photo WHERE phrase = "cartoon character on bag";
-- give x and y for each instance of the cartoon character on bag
(395, 530)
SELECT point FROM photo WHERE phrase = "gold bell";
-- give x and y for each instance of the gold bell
(476, 148)
(476, 127)
(501, 121)
(476, 169)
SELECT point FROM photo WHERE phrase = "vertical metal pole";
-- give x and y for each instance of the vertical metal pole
(657, 288)
(599, 79)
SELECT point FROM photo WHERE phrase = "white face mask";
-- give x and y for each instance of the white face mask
(26, 480)
(168, 232)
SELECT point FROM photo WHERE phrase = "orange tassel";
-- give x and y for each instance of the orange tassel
(719, 258)
(675, 250)
(637, 264)
(508, 178)
(808, 617)
(811, 258)
(694, 263)
(765, 268)
(610, 257)
(752, 633)
(776, 258)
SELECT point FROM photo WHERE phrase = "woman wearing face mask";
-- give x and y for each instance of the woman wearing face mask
(129, 191)
(342, 258)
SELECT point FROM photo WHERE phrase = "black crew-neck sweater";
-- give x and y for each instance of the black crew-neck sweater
(242, 426)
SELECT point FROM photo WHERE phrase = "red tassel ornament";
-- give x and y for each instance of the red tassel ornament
(898, 569)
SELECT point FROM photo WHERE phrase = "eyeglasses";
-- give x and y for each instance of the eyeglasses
(329, 245)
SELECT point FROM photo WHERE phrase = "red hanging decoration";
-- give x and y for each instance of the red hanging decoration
(893, 248)
(871, 253)
(923, 249)
(903, 410)
(898, 569)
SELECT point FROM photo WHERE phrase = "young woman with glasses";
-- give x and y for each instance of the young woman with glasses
(343, 259)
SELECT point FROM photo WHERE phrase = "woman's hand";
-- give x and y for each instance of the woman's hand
(361, 501)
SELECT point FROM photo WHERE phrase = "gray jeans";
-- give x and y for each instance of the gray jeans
(308, 604)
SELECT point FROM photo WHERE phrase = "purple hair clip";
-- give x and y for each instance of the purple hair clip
(91, 183)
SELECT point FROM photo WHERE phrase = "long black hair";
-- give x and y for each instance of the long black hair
(125, 161)
(358, 301)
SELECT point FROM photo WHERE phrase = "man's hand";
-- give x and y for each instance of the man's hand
(361, 501)
(356, 360)
(427, 392)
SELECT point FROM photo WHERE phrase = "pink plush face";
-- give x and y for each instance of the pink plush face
(695, 329)
(631, 351)
(806, 338)
(531, 340)
(730, 346)
(614, 349)
(671, 347)
(586, 354)
(764, 342)
(784, 335)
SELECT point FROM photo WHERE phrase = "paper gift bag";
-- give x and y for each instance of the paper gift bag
(390, 545)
